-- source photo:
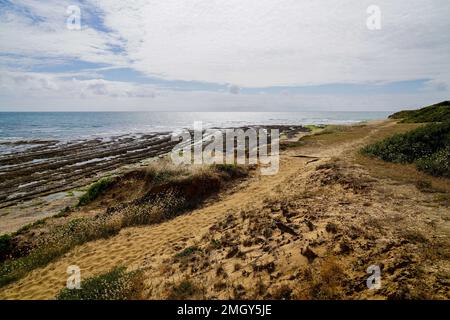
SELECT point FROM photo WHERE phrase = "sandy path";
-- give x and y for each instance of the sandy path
(135, 246)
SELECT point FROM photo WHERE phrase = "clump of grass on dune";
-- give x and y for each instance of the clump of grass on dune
(230, 170)
(185, 289)
(187, 252)
(116, 284)
(171, 191)
(164, 171)
(327, 284)
(5, 246)
(30, 226)
(95, 190)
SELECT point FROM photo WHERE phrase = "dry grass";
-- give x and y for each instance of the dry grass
(327, 284)
(405, 173)
(165, 192)
(185, 289)
(336, 134)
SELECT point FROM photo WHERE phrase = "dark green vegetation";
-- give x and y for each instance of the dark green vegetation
(428, 147)
(187, 252)
(116, 284)
(5, 246)
(439, 112)
(165, 193)
(437, 164)
(95, 190)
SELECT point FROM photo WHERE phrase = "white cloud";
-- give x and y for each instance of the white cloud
(289, 42)
(252, 43)
(49, 86)
(42, 34)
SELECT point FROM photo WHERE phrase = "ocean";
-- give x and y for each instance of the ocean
(66, 126)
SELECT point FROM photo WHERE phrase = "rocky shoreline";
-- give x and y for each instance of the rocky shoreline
(53, 166)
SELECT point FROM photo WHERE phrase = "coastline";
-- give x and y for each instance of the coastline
(42, 180)
(334, 217)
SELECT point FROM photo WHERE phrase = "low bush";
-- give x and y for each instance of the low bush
(95, 190)
(231, 170)
(187, 252)
(428, 147)
(412, 145)
(5, 246)
(186, 289)
(116, 284)
(437, 164)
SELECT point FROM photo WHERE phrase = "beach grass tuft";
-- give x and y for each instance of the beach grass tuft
(116, 284)
(95, 190)
(185, 289)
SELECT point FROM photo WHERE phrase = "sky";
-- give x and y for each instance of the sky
(227, 55)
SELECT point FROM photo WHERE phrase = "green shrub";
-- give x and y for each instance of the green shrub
(437, 164)
(187, 252)
(428, 147)
(413, 145)
(95, 190)
(116, 284)
(5, 246)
